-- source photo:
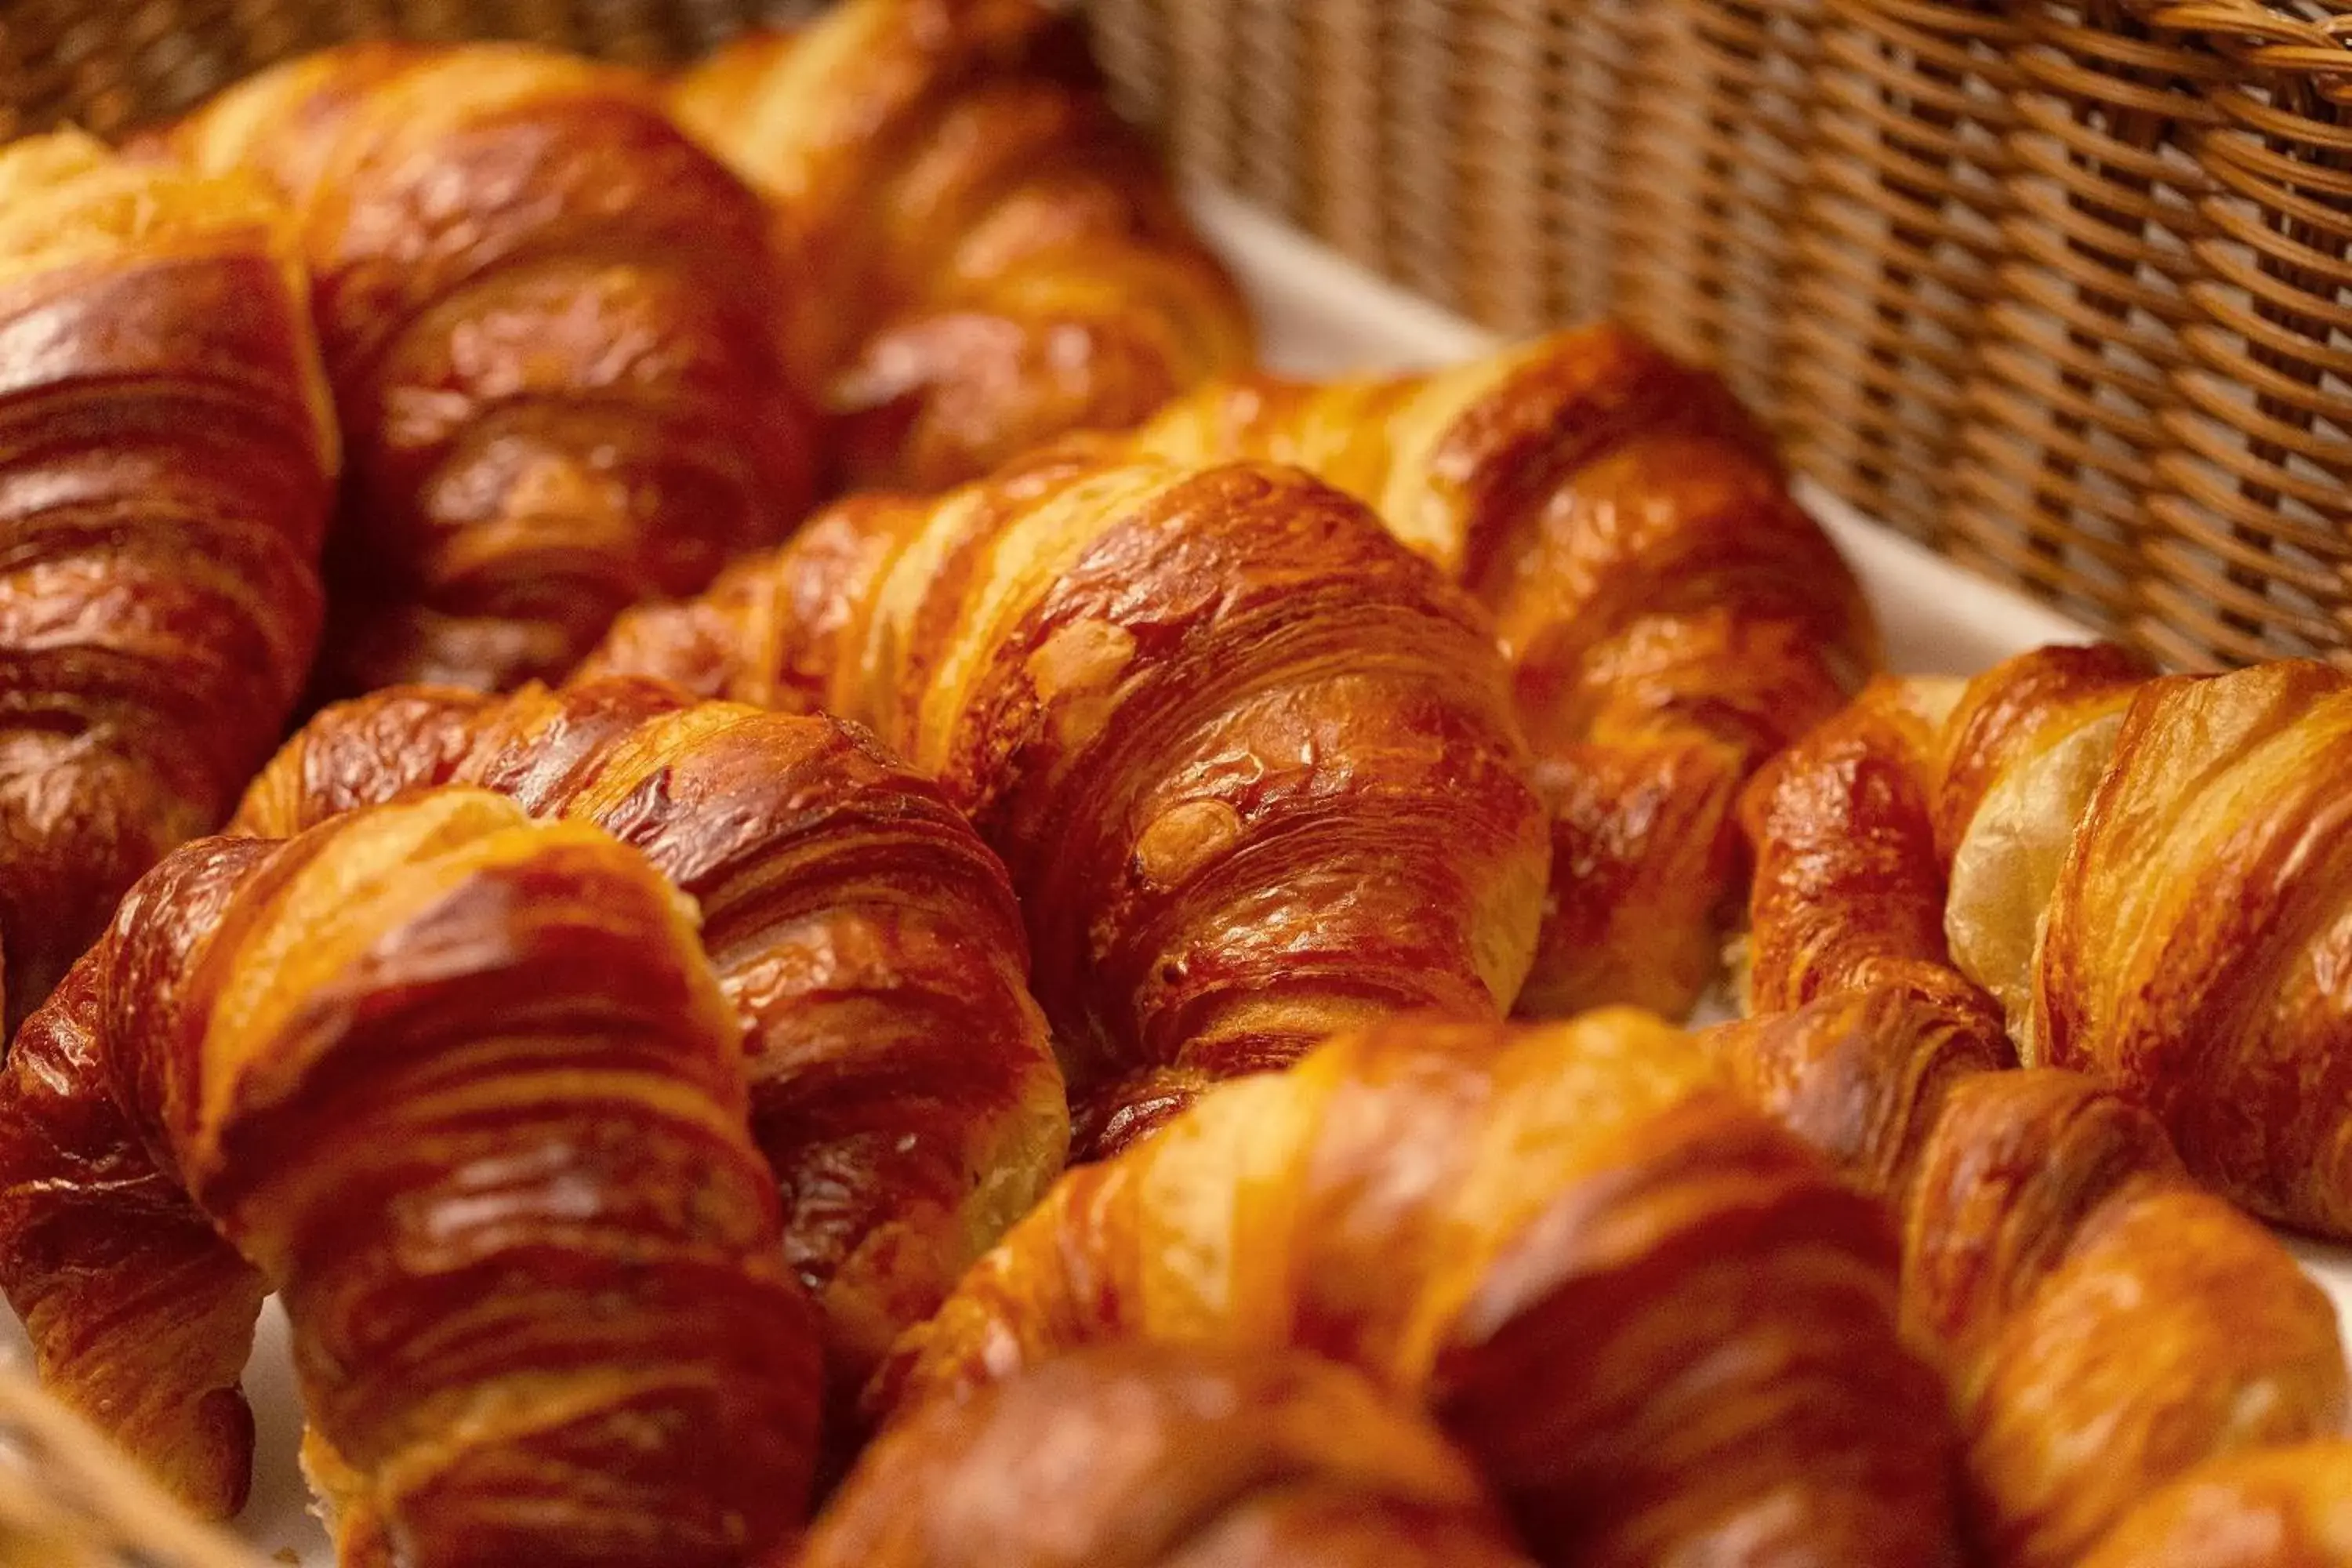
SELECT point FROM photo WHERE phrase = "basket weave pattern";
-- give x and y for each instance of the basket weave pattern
(2062, 287)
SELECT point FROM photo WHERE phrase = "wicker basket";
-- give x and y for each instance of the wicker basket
(2060, 286)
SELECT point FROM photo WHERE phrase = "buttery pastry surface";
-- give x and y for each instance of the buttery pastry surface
(1671, 617)
(2140, 878)
(1250, 764)
(463, 1089)
(1659, 1325)
(556, 332)
(902, 1085)
(1143, 1455)
(167, 460)
(994, 258)
(2106, 1325)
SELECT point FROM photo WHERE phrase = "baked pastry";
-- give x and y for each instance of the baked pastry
(1232, 829)
(553, 327)
(167, 459)
(995, 259)
(1144, 1456)
(462, 1089)
(902, 1085)
(2106, 1325)
(69, 1499)
(1658, 1324)
(2282, 1507)
(2147, 879)
(1671, 617)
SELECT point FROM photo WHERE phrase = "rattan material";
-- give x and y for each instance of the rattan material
(2059, 286)
(2073, 368)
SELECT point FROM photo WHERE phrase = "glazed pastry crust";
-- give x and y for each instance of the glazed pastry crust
(1671, 617)
(2138, 878)
(1143, 1455)
(1656, 1323)
(167, 459)
(555, 330)
(2106, 1325)
(1231, 830)
(901, 1082)
(902, 1085)
(464, 1090)
(994, 258)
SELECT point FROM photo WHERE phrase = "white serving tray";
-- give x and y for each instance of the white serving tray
(1322, 315)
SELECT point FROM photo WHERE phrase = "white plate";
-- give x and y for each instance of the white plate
(1322, 316)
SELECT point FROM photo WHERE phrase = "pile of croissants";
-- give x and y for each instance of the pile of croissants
(698, 761)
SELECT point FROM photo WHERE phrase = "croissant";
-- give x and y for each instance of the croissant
(2282, 1507)
(1671, 617)
(1250, 764)
(1659, 1326)
(166, 464)
(463, 1090)
(1132, 1454)
(553, 326)
(993, 256)
(902, 1085)
(2149, 879)
(2105, 1324)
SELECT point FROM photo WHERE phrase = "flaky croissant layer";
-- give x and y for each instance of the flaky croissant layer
(554, 329)
(2146, 878)
(462, 1089)
(1250, 764)
(1141, 1456)
(1659, 1327)
(2106, 1326)
(167, 459)
(993, 259)
(902, 1086)
(1670, 615)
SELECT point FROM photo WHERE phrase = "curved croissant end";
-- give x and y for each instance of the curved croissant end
(1600, 1273)
(2145, 880)
(1000, 259)
(1143, 1455)
(1232, 831)
(902, 1086)
(2106, 1325)
(2194, 945)
(2021, 753)
(2109, 1325)
(2282, 1508)
(1848, 892)
(462, 1089)
(1861, 1075)
(1672, 615)
(553, 326)
(167, 459)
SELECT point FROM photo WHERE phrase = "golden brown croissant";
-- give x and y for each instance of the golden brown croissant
(464, 1090)
(2282, 1508)
(1672, 615)
(2105, 1324)
(1143, 1455)
(1250, 764)
(1657, 1323)
(2151, 878)
(166, 463)
(553, 327)
(993, 258)
(902, 1085)
(69, 1499)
